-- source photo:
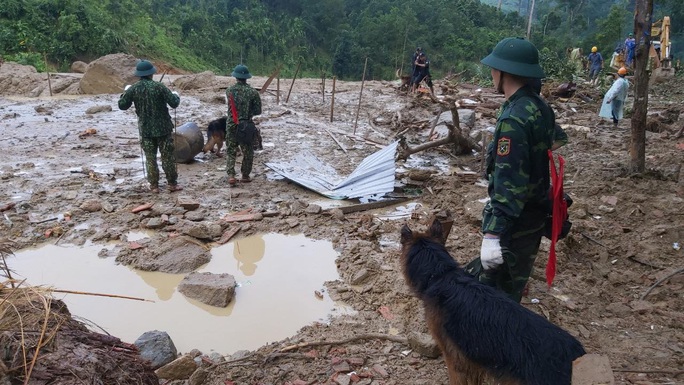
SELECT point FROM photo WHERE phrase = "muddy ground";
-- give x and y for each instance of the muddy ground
(625, 236)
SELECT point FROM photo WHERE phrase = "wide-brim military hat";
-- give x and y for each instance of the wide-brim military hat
(516, 56)
(145, 68)
(241, 72)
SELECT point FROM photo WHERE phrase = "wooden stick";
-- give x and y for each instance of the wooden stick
(293, 81)
(661, 280)
(332, 100)
(278, 90)
(336, 141)
(144, 207)
(368, 336)
(270, 79)
(358, 109)
(323, 88)
(99, 295)
(48, 73)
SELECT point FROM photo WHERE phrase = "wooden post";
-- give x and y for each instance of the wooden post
(332, 100)
(642, 32)
(358, 109)
(529, 20)
(323, 87)
(48, 73)
(293, 80)
(278, 90)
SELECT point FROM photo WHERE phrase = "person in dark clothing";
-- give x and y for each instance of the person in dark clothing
(422, 71)
(154, 123)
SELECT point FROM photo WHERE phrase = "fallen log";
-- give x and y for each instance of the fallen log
(462, 144)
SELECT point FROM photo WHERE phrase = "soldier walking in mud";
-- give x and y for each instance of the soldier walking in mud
(518, 169)
(243, 103)
(154, 123)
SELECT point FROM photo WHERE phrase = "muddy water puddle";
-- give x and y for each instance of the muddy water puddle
(280, 279)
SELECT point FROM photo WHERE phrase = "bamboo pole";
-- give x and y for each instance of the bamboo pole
(332, 100)
(293, 81)
(48, 73)
(323, 86)
(358, 109)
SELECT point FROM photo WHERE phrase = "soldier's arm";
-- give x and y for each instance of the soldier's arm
(510, 176)
(560, 137)
(126, 99)
(256, 108)
(171, 99)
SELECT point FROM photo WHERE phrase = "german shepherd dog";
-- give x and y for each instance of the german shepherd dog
(480, 331)
(216, 135)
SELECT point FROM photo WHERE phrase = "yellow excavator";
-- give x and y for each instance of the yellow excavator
(661, 49)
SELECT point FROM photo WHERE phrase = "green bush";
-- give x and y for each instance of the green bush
(28, 58)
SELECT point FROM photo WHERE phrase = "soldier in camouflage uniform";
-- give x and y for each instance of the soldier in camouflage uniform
(518, 171)
(154, 123)
(247, 104)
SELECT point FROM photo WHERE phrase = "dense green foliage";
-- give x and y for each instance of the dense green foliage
(327, 36)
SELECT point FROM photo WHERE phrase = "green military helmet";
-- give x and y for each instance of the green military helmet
(241, 72)
(145, 68)
(516, 56)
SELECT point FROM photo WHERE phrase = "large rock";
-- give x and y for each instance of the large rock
(157, 348)
(206, 79)
(79, 67)
(209, 288)
(180, 369)
(201, 230)
(109, 74)
(177, 255)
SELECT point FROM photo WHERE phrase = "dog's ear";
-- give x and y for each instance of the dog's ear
(406, 234)
(436, 230)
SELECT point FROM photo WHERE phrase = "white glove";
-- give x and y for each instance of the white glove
(127, 87)
(490, 253)
(175, 93)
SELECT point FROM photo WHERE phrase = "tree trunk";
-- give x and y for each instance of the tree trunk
(529, 20)
(642, 32)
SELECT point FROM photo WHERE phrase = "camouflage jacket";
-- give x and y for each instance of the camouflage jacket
(247, 102)
(518, 165)
(150, 100)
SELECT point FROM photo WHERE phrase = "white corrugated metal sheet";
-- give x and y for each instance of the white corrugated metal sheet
(374, 175)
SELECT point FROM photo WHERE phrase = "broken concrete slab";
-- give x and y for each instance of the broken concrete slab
(209, 288)
(592, 369)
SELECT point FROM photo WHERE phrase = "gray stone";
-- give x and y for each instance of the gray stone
(98, 109)
(337, 214)
(342, 379)
(216, 357)
(198, 377)
(313, 209)
(292, 222)
(200, 230)
(360, 277)
(423, 344)
(179, 369)
(209, 288)
(187, 202)
(157, 348)
(177, 255)
(154, 223)
(195, 216)
(466, 118)
(91, 206)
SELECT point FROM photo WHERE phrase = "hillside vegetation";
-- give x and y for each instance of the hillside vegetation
(327, 36)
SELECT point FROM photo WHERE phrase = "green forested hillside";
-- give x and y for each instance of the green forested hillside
(328, 36)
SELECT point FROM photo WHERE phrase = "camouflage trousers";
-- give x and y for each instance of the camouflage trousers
(512, 276)
(231, 151)
(168, 159)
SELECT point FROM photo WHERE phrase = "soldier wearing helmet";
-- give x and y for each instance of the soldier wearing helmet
(243, 103)
(518, 171)
(154, 123)
(614, 100)
(595, 65)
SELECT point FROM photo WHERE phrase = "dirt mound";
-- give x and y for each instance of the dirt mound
(109, 74)
(60, 350)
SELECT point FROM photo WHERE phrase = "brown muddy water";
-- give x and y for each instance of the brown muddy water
(277, 278)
